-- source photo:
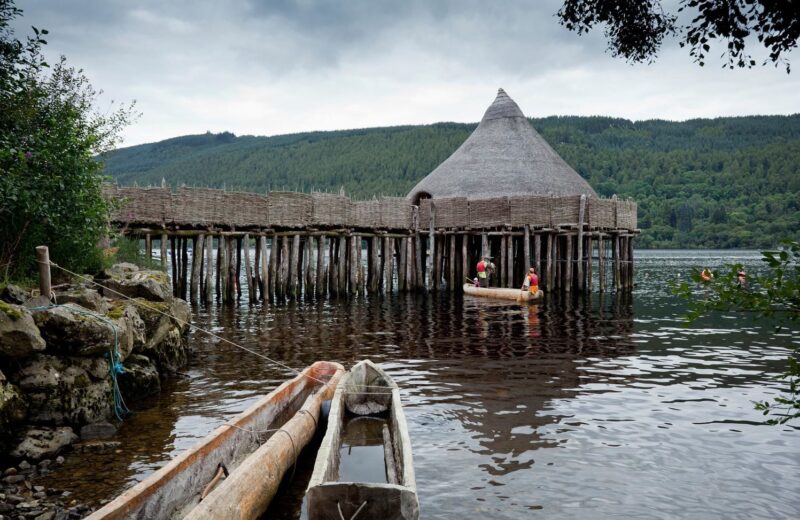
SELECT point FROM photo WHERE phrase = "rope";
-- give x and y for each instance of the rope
(200, 329)
(115, 365)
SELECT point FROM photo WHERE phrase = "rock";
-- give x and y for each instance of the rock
(10, 471)
(14, 294)
(24, 465)
(128, 280)
(41, 442)
(126, 317)
(13, 410)
(96, 446)
(14, 479)
(139, 379)
(38, 489)
(166, 340)
(70, 329)
(44, 463)
(19, 337)
(59, 460)
(85, 297)
(97, 430)
(48, 515)
(5, 507)
(66, 390)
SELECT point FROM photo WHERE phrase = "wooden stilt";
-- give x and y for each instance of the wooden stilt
(485, 250)
(185, 268)
(402, 268)
(209, 267)
(219, 270)
(233, 277)
(319, 283)
(387, 264)
(601, 263)
(589, 255)
(163, 252)
(257, 288)
(579, 243)
(503, 264)
(272, 269)
(419, 274)
(537, 255)
(341, 264)
(148, 246)
(630, 262)
(224, 271)
(248, 269)
(615, 258)
(433, 283)
(510, 261)
(451, 261)
(285, 262)
(292, 267)
(526, 248)
(549, 262)
(197, 255)
(262, 246)
(175, 271)
(465, 273)
(238, 274)
(569, 282)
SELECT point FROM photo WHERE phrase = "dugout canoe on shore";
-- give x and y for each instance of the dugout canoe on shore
(502, 294)
(364, 466)
(253, 454)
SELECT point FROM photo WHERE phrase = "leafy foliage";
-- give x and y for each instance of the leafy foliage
(635, 29)
(715, 183)
(776, 294)
(50, 183)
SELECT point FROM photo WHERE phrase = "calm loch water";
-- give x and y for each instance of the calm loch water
(575, 408)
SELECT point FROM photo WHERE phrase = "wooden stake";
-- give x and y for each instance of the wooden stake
(589, 255)
(233, 276)
(238, 274)
(209, 268)
(164, 252)
(319, 285)
(43, 260)
(579, 242)
(197, 255)
(432, 269)
(569, 282)
(510, 261)
(630, 264)
(615, 258)
(601, 263)
(175, 271)
(148, 246)
(248, 270)
(285, 260)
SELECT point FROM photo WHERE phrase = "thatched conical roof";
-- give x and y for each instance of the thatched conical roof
(504, 156)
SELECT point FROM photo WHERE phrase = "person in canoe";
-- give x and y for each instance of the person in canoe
(485, 270)
(531, 282)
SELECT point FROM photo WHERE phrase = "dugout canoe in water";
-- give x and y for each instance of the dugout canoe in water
(255, 459)
(366, 402)
(502, 294)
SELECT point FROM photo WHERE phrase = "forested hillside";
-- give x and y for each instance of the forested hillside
(718, 183)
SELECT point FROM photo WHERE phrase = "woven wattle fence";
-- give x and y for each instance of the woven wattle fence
(395, 212)
(451, 213)
(330, 210)
(425, 213)
(531, 210)
(626, 214)
(144, 205)
(245, 209)
(289, 209)
(565, 211)
(365, 214)
(488, 213)
(602, 213)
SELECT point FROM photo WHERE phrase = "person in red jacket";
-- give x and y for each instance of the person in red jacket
(531, 281)
(485, 270)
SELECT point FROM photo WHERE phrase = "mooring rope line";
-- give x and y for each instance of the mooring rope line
(200, 329)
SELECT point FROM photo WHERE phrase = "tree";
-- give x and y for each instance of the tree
(774, 294)
(50, 133)
(636, 29)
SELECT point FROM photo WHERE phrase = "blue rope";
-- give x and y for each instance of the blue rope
(115, 364)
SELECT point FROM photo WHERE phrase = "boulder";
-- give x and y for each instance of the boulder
(12, 412)
(19, 337)
(140, 378)
(131, 326)
(130, 281)
(41, 442)
(72, 330)
(98, 430)
(165, 340)
(85, 297)
(14, 294)
(65, 390)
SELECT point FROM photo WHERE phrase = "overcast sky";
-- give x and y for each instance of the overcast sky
(275, 67)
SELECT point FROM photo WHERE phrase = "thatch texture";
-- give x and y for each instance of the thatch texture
(289, 209)
(533, 210)
(244, 209)
(626, 214)
(395, 212)
(488, 213)
(145, 205)
(330, 210)
(452, 212)
(602, 213)
(504, 156)
(365, 214)
(424, 213)
(565, 211)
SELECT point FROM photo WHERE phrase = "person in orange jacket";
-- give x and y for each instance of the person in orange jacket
(531, 281)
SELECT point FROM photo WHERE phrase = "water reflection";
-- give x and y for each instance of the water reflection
(579, 406)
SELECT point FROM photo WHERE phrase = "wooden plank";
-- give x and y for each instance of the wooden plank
(630, 262)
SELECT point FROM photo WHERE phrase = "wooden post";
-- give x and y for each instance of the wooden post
(238, 274)
(419, 275)
(248, 270)
(233, 267)
(223, 268)
(352, 267)
(510, 261)
(272, 268)
(285, 262)
(630, 260)
(402, 267)
(601, 263)
(148, 246)
(502, 264)
(557, 262)
(293, 267)
(175, 272)
(537, 255)
(387, 265)
(589, 255)
(209, 267)
(579, 243)
(185, 267)
(569, 282)
(432, 269)
(451, 260)
(549, 262)
(342, 264)
(219, 285)
(526, 246)
(43, 259)
(262, 267)
(319, 285)
(163, 252)
(464, 259)
(362, 282)
(197, 255)
(615, 258)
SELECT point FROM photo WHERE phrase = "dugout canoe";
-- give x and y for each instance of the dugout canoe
(367, 394)
(253, 453)
(502, 294)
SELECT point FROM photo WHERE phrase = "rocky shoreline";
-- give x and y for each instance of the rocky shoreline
(67, 369)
